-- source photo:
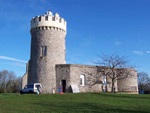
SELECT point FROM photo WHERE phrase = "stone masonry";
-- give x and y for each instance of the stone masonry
(71, 73)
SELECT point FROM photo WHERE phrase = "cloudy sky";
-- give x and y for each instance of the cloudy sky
(94, 27)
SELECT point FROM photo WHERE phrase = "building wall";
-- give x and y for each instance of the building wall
(71, 73)
(63, 73)
(25, 77)
(88, 72)
(130, 83)
(24, 80)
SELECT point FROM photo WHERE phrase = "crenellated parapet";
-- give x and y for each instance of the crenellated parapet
(47, 28)
(48, 21)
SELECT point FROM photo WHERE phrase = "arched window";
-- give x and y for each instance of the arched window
(82, 80)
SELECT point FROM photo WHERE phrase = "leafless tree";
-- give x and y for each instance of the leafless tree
(113, 67)
(92, 78)
(143, 81)
(9, 82)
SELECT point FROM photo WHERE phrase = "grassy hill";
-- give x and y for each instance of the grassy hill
(74, 103)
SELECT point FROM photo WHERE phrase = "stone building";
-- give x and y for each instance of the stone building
(47, 63)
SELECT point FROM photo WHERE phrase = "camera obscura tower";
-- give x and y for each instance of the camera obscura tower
(47, 49)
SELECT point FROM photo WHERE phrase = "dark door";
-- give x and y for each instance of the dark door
(63, 85)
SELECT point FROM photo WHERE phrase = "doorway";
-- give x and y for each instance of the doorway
(63, 83)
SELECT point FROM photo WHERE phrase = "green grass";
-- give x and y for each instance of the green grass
(74, 103)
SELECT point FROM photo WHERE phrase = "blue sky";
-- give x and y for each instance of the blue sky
(94, 27)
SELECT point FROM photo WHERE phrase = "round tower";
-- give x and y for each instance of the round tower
(47, 49)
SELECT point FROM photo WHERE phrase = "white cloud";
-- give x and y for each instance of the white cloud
(12, 59)
(19, 64)
(148, 52)
(138, 52)
(14, 64)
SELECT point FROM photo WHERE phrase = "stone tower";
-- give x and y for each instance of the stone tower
(47, 49)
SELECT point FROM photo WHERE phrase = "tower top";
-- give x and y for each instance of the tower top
(49, 13)
(49, 20)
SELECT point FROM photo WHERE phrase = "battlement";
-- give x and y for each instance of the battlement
(48, 20)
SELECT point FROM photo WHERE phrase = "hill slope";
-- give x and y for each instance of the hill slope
(74, 103)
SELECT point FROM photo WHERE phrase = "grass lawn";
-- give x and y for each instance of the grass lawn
(74, 103)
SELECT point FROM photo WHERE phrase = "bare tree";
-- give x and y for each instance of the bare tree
(3, 80)
(103, 73)
(143, 81)
(9, 82)
(113, 67)
(92, 78)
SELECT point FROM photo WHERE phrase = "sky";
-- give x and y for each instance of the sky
(94, 27)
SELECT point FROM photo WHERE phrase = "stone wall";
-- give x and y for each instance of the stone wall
(71, 73)
(24, 80)
(130, 83)
(89, 72)
(63, 73)
(42, 68)
(25, 77)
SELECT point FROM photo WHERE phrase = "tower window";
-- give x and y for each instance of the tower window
(44, 51)
(46, 18)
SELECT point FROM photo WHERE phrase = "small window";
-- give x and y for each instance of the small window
(39, 18)
(82, 80)
(44, 51)
(46, 18)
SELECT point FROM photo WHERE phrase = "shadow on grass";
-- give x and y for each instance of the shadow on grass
(85, 107)
(136, 96)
